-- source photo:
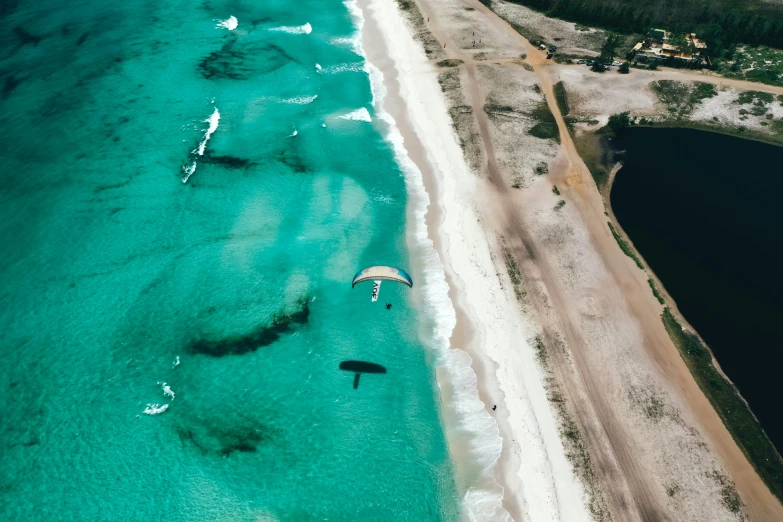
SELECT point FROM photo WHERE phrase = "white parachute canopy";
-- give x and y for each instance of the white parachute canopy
(377, 274)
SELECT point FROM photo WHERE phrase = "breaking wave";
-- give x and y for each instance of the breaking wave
(230, 23)
(343, 67)
(357, 115)
(189, 170)
(300, 100)
(299, 29)
(167, 391)
(155, 409)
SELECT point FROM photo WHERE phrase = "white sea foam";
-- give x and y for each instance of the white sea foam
(318, 67)
(299, 29)
(344, 67)
(155, 409)
(176, 362)
(167, 391)
(214, 121)
(188, 170)
(383, 199)
(300, 100)
(293, 134)
(229, 23)
(354, 41)
(357, 115)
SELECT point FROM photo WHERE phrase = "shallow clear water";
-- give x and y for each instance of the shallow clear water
(112, 268)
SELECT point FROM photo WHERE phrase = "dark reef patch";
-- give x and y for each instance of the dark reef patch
(291, 159)
(231, 162)
(217, 437)
(282, 323)
(82, 38)
(26, 37)
(9, 85)
(237, 60)
(101, 188)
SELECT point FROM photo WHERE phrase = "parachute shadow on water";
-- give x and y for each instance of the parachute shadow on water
(360, 367)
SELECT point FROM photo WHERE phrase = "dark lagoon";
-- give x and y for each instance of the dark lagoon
(705, 211)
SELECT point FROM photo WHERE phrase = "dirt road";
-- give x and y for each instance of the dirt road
(632, 494)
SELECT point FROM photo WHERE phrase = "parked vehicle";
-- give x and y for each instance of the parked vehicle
(549, 56)
(552, 48)
(542, 47)
(616, 63)
(582, 61)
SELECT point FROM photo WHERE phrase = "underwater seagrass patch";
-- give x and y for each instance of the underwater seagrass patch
(282, 323)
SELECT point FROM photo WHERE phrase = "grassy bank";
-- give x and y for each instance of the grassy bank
(775, 138)
(655, 291)
(561, 96)
(546, 125)
(735, 413)
(590, 147)
(625, 247)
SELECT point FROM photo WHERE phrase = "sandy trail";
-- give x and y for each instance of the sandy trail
(630, 491)
(536, 267)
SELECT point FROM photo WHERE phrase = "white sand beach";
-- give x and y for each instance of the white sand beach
(490, 337)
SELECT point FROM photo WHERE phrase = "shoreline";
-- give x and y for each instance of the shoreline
(462, 332)
(477, 366)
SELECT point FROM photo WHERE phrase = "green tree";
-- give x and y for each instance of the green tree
(608, 48)
(625, 68)
(620, 121)
(678, 41)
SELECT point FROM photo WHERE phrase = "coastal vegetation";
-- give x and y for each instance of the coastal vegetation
(625, 247)
(680, 97)
(546, 125)
(590, 147)
(450, 62)
(573, 441)
(513, 273)
(733, 410)
(561, 96)
(655, 291)
(755, 63)
(722, 23)
(608, 50)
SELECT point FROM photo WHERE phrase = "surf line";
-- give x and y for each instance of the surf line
(299, 29)
(189, 170)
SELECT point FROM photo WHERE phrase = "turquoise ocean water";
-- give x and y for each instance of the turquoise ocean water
(113, 269)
